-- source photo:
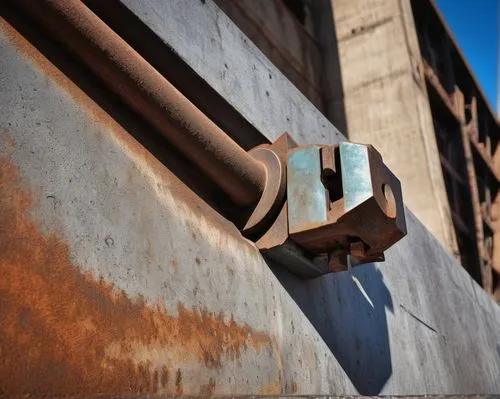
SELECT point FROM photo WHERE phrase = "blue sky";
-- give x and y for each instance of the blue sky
(474, 24)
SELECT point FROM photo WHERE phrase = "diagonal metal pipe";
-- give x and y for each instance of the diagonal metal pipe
(145, 90)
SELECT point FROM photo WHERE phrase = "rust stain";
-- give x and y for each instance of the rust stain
(127, 141)
(8, 142)
(179, 390)
(270, 389)
(164, 375)
(277, 388)
(173, 262)
(64, 332)
(208, 390)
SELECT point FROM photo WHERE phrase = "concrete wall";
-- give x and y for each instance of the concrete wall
(282, 39)
(386, 103)
(116, 278)
(306, 53)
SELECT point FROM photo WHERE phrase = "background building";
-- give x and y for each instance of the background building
(389, 72)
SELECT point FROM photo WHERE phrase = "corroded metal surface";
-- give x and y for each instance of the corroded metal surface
(117, 278)
(343, 200)
(256, 180)
(383, 341)
(64, 332)
(129, 228)
(152, 96)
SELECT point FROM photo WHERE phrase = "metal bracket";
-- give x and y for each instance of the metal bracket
(340, 200)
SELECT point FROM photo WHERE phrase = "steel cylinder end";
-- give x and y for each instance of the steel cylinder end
(274, 190)
(263, 220)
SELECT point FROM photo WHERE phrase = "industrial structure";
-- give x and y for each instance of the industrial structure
(180, 217)
(389, 72)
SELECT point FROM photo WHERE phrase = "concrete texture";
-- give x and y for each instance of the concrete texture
(250, 82)
(280, 36)
(162, 294)
(386, 103)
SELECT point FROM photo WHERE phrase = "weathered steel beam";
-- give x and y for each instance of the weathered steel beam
(145, 90)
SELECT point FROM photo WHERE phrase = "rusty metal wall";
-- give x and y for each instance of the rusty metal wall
(117, 279)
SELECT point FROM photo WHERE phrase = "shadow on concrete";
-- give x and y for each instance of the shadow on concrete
(348, 310)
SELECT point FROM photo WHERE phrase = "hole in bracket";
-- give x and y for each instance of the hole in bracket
(390, 208)
(333, 183)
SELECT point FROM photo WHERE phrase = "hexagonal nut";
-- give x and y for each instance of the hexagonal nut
(373, 202)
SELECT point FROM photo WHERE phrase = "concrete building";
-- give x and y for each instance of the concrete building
(123, 270)
(389, 72)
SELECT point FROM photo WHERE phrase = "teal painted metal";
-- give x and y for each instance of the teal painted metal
(307, 205)
(356, 176)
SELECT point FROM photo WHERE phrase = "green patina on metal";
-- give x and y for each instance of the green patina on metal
(356, 177)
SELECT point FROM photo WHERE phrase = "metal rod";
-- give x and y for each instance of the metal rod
(152, 96)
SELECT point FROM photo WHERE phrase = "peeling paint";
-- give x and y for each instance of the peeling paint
(64, 331)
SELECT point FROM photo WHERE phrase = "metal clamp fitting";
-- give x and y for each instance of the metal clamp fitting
(340, 200)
